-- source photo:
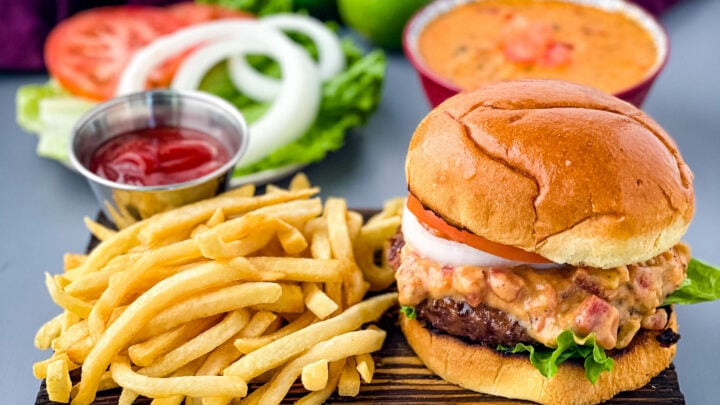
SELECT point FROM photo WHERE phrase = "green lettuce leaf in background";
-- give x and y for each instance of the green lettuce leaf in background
(257, 7)
(50, 112)
(701, 284)
(546, 360)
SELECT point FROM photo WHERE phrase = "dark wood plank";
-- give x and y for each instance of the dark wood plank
(401, 378)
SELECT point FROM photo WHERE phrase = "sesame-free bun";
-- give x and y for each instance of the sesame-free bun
(559, 169)
(486, 370)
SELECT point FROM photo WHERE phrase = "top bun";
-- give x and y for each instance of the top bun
(559, 169)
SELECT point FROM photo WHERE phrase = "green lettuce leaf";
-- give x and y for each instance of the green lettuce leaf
(409, 311)
(547, 360)
(701, 284)
(50, 112)
(257, 7)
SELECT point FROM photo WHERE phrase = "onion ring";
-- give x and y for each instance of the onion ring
(331, 59)
(450, 252)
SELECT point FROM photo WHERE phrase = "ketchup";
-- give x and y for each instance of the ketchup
(158, 156)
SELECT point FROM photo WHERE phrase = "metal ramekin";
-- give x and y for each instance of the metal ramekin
(125, 203)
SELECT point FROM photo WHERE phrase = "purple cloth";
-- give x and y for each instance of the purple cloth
(24, 24)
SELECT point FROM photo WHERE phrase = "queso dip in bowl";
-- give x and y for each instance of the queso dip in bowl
(612, 45)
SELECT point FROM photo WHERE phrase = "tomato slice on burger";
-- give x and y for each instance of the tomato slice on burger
(442, 229)
(88, 52)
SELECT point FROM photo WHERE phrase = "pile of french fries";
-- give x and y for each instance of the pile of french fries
(196, 303)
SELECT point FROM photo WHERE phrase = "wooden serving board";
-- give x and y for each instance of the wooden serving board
(401, 378)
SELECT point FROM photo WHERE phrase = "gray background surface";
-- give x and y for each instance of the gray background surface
(42, 203)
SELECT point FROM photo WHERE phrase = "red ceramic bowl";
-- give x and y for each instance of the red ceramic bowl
(438, 89)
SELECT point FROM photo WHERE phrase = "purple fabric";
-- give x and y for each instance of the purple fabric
(656, 7)
(24, 24)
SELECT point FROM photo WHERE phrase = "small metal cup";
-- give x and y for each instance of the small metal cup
(126, 204)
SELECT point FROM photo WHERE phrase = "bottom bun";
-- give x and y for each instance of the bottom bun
(486, 370)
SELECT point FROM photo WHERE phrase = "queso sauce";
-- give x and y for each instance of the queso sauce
(497, 40)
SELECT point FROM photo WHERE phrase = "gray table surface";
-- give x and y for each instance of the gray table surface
(42, 203)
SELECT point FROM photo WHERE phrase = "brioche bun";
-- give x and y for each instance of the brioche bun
(486, 370)
(559, 169)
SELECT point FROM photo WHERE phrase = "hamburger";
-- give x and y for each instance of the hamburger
(540, 242)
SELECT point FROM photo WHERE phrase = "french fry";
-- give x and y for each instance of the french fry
(194, 386)
(72, 261)
(319, 397)
(335, 348)
(120, 332)
(186, 370)
(354, 223)
(58, 381)
(226, 353)
(40, 367)
(91, 285)
(199, 345)
(145, 353)
(211, 303)
(275, 353)
(314, 376)
(300, 269)
(291, 301)
(114, 246)
(190, 215)
(100, 231)
(353, 283)
(49, 331)
(78, 351)
(73, 334)
(317, 301)
(65, 300)
(299, 182)
(349, 384)
(111, 297)
(247, 344)
(320, 246)
(365, 365)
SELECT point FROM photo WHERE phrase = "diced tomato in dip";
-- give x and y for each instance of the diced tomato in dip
(158, 156)
(612, 303)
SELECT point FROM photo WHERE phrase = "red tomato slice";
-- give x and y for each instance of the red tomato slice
(442, 229)
(189, 14)
(193, 13)
(87, 52)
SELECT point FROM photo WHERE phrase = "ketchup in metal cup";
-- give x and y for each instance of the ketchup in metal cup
(158, 156)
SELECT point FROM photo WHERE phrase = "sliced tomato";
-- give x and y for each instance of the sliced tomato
(87, 52)
(193, 13)
(442, 229)
(189, 14)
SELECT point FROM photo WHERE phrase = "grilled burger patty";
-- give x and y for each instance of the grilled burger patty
(480, 323)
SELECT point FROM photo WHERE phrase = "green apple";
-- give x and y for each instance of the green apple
(380, 21)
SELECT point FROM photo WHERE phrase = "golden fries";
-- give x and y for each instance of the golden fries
(196, 303)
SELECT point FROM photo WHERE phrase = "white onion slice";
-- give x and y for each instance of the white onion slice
(295, 108)
(331, 58)
(297, 104)
(152, 55)
(450, 252)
